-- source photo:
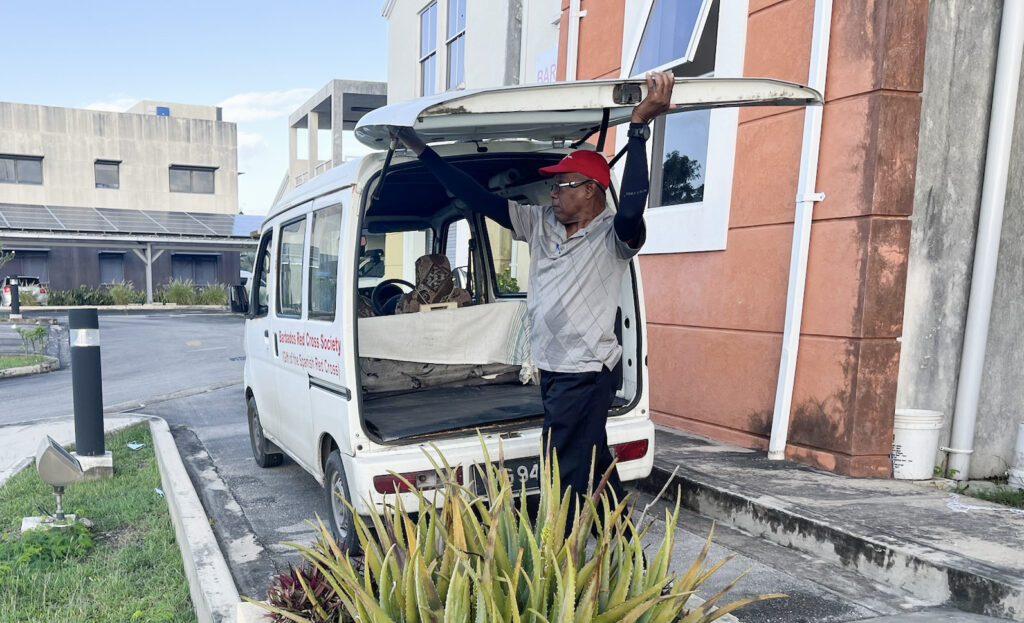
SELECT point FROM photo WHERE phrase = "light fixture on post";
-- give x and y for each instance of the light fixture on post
(58, 468)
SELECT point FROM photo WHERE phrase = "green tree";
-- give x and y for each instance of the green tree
(678, 173)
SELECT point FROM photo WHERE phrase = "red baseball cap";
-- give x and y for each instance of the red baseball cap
(589, 163)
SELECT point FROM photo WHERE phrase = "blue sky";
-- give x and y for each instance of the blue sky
(257, 59)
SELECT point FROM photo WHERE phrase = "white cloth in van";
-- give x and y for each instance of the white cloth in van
(480, 334)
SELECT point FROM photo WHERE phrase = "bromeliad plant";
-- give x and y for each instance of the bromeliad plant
(481, 558)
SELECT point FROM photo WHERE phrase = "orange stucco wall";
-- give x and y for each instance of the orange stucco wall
(715, 319)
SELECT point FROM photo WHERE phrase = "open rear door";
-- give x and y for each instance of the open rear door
(562, 111)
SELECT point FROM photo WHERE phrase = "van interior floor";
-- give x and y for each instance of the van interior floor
(426, 411)
(423, 412)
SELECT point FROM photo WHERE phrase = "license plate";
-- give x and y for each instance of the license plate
(521, 472)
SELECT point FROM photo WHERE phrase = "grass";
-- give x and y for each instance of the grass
(134, 572)
(16, 361)
(1008, 497)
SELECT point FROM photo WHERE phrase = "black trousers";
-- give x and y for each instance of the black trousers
(575, 413)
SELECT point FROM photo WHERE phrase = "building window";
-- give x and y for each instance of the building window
(112, 267)
(428, 50)
(34, 264)
(108, 173)
(692, 151)
(201, 270)
(186, 179)
(324, 242)
(21, 169)
(289, 268)
(456, 43)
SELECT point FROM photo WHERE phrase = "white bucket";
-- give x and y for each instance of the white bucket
(915, 443)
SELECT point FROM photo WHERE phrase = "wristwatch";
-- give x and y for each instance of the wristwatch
(639, 130)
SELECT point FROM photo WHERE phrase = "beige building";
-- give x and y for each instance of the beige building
(159, 156)
(96, 198)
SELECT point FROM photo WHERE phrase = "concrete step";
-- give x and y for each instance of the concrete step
(894, 533)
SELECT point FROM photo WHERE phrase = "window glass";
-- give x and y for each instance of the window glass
(7, 173)
(682, 141)
(457, 61)
(34, 263)
(261, 276)
(511, 260)
(428, 50)
(181, 181)
(30, 171)
(21, 169)
(670, 27)
(111, 267)
(325, 239)
(107, 174)
(200, 270)
(289, 268)
(456, 43)
(191, 179)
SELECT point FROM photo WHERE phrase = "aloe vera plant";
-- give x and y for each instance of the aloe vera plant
(482, 558)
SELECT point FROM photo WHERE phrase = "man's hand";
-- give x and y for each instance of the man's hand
(410, 139)
(658, 99)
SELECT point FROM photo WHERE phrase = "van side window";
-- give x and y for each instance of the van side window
(325, 239)
(261, 276)
(289, 268)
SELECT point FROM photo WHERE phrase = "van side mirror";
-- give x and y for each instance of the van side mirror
(238, 299)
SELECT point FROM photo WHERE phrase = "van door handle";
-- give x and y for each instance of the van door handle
(275, 345)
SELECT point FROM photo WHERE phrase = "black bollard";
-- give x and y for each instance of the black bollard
(86, 381)
(15, 301)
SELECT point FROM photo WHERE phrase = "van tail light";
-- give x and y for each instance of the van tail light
(42, 290)
(7, 289)
(424, 481)
(630, 451)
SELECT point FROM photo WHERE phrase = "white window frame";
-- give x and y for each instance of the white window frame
(704, 225)
(449, 40)
(423, 58)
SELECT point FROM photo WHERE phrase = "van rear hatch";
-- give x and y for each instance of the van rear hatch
(562, 111)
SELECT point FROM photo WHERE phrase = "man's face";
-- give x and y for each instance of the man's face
(572, 204)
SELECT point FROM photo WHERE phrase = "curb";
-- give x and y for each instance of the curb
(213, 591)
(921, 570)
(51, 364)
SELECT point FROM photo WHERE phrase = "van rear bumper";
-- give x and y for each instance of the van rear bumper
(466, 452)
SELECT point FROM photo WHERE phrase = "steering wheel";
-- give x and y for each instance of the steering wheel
(384, 292)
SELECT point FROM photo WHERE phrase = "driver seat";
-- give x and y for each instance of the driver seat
(434, 284)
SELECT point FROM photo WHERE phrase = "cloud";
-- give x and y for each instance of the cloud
(251, 144)
(118, 104)
(263, 105)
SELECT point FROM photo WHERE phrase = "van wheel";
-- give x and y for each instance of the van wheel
(342, 522)
(260, 446)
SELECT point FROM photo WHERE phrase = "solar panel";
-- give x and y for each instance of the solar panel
(80, 219)
(29, 217)
(124, 221)
(179, 223)
(221, 224)
(130, 221)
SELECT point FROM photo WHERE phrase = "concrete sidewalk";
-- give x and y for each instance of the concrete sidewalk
(940, 547)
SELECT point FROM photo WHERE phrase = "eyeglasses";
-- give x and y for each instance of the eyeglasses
(557, 187)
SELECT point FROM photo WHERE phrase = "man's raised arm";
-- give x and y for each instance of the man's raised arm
(458, 183)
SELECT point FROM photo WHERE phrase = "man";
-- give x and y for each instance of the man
(579, 249)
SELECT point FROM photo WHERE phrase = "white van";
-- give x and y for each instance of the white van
(354, 391)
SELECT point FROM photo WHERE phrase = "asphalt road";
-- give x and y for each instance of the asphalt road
(187, 368)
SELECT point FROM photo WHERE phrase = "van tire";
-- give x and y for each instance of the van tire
(261, 448)
(342, 522)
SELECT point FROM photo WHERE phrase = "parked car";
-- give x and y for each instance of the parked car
(30, 286)
(352, 389)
